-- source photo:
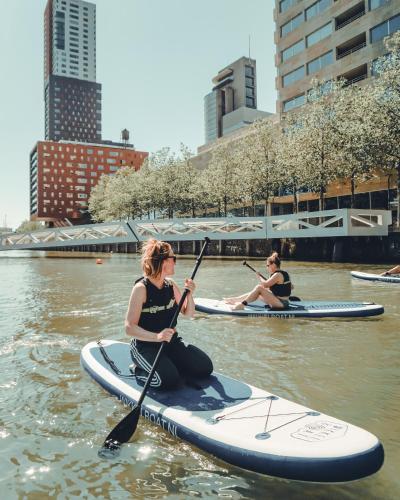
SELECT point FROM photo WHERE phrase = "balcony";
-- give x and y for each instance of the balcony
(350, 15)
(355, 75)
(353, 45)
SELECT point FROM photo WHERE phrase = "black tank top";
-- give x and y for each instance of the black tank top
(284, 289)
(159, 308)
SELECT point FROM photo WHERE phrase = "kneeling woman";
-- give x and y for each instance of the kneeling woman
(274, 291)
(153, 302)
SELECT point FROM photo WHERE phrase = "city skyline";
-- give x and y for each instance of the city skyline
(155, 66)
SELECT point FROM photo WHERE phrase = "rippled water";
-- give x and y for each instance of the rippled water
(54, 417)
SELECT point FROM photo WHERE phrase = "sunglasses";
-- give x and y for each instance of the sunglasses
(172, 257)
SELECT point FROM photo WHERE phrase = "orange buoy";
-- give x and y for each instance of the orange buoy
(99, 261)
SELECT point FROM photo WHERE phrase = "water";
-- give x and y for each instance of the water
(53, 417)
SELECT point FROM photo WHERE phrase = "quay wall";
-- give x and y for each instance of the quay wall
(365, 249)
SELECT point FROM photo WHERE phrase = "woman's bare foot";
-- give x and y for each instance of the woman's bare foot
(238, 307)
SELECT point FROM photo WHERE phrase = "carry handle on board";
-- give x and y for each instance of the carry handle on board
(293, 298)
(125, 429)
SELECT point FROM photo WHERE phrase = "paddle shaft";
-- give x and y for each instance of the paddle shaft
(252, 268)
(177, 311)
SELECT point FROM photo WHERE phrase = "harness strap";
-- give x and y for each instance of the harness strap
(156, 309)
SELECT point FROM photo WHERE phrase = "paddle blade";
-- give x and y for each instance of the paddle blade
(121, 433)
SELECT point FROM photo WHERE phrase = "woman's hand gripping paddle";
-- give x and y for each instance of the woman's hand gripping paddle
(293, 298)
(125, 429)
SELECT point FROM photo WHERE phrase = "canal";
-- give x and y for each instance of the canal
(54, 417)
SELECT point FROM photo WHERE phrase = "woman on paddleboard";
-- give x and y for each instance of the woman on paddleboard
(274, 291)
(153, 302)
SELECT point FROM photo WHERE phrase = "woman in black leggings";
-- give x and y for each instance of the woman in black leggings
(152, 305)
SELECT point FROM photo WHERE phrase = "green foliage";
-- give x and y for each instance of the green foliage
(28, 226)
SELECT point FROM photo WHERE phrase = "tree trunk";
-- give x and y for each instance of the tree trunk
(353, 188)
(398, 194)
(322, 199)
(295, 201)
(388, 192)
(225, 206)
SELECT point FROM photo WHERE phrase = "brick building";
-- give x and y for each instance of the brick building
(62, 175)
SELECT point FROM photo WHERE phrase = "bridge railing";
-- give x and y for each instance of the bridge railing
(328, 223)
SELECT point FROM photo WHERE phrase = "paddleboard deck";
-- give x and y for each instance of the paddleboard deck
(375, 277)
(301, 309)
(243, 425)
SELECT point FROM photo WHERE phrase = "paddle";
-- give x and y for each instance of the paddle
(125, 429)
(292, 298)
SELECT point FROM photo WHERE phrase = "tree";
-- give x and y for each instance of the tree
(356, 135)
(28, 226)
(386, 93)
(315, 131)
(222, 176)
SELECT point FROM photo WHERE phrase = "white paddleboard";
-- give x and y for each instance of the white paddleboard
(301, 309)
(243, 425)
(375, 277)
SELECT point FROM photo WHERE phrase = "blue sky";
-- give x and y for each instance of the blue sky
(155, 61)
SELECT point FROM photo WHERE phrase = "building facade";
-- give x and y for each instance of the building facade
(232, 103)
(328, 39)
(62, 175)
(72, 95)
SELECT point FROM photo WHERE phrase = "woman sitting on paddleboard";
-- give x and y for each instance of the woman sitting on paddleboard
(274, 291)
(152, 305)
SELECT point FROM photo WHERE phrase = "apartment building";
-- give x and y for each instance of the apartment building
(327, 39)
(62, 175)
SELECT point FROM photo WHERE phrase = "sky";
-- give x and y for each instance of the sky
(155, 61)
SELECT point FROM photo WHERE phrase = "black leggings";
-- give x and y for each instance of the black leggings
(177, 361)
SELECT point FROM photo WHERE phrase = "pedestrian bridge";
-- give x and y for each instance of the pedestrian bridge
(323, 224)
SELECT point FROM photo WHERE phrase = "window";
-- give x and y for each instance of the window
(386, 28)
(111, 160)
(374, 4)
(292, 50)
(249, 71)
(292, 24)
(80, 180)
(320, 62)
(295, 102)
(249, 92)
(318, 35)
(316, 8)
(113, 169)
(293, 76)
(113, 153)
(250, 102)
(284, 5)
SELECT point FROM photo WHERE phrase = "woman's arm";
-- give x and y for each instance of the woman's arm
(136, 301)
(188, 308)
(276, 278)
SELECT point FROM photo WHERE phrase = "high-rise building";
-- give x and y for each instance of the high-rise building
(232, 103)
(328, 39)
(72, 96)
